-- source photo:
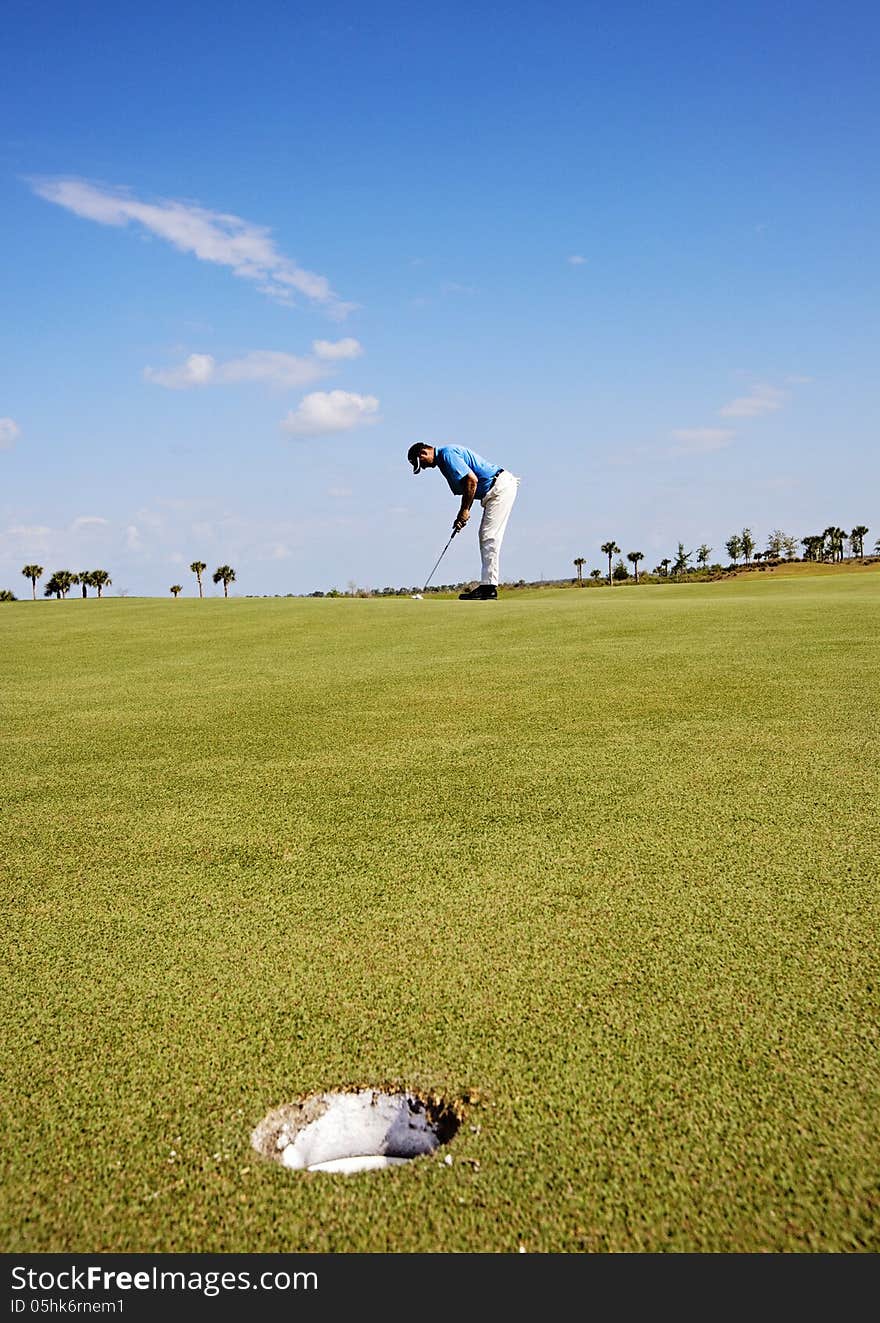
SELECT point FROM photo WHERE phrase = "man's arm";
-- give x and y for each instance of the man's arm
(469, 491)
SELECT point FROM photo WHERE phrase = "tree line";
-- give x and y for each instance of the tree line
(60, 582)
(829, 545)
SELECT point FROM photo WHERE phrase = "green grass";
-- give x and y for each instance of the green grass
(606, 863)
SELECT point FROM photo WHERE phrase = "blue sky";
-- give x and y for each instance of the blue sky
(250, 253)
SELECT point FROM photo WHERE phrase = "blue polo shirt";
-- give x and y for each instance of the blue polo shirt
(455, 463)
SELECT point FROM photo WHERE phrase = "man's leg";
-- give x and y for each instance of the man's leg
(496, 512)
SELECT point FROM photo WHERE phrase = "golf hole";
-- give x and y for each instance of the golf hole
(361, 1130)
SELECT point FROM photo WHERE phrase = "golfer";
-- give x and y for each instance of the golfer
(471, 478)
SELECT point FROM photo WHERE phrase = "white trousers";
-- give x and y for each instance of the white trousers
(497, 505)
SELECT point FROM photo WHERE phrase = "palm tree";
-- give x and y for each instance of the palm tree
(34, 572)
(7, 595)
(579, 564)
(85, 579)
(733, 547)
(839, 542)
(65, 581)
(197, 567)
(610, 549)
(175, 589)
(703, 555)
(225, 574)
(857, 539)
(100, 580)
(59, 585)
(664, 566)
(681, 560)
(634, 557)
(595, 574)
(834, 536)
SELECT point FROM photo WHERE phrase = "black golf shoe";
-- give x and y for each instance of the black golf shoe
(484, 592)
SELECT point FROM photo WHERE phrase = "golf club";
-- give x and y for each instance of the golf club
(417, 596)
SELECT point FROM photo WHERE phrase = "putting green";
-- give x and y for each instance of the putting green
(602, 864)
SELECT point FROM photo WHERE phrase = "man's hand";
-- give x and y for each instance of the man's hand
(460, 520)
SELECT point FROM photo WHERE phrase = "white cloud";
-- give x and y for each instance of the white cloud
(269, 366)
(763, 399)
(9, 433)
(132, 538)
(212, 236)
(339, 492)
(795, 380)
(576, 260)
(334, 350)
(701, 440)
(324, 412)
(84, 522)
(198, 370)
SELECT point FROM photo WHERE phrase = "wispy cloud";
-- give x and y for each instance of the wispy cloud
(247, 249)
(325, 412)
(333, 350)
(700, 440)
(270, 366)
(277, 369)
(25, 540)
(196, 370)
(763, 399)
(576, 260)
(9, 433)
(83, 523)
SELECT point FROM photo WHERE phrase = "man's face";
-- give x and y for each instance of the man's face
(426, 457)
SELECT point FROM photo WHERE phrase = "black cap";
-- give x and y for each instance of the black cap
(414, 456)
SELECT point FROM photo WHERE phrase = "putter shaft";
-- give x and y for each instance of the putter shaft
(439, 558)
